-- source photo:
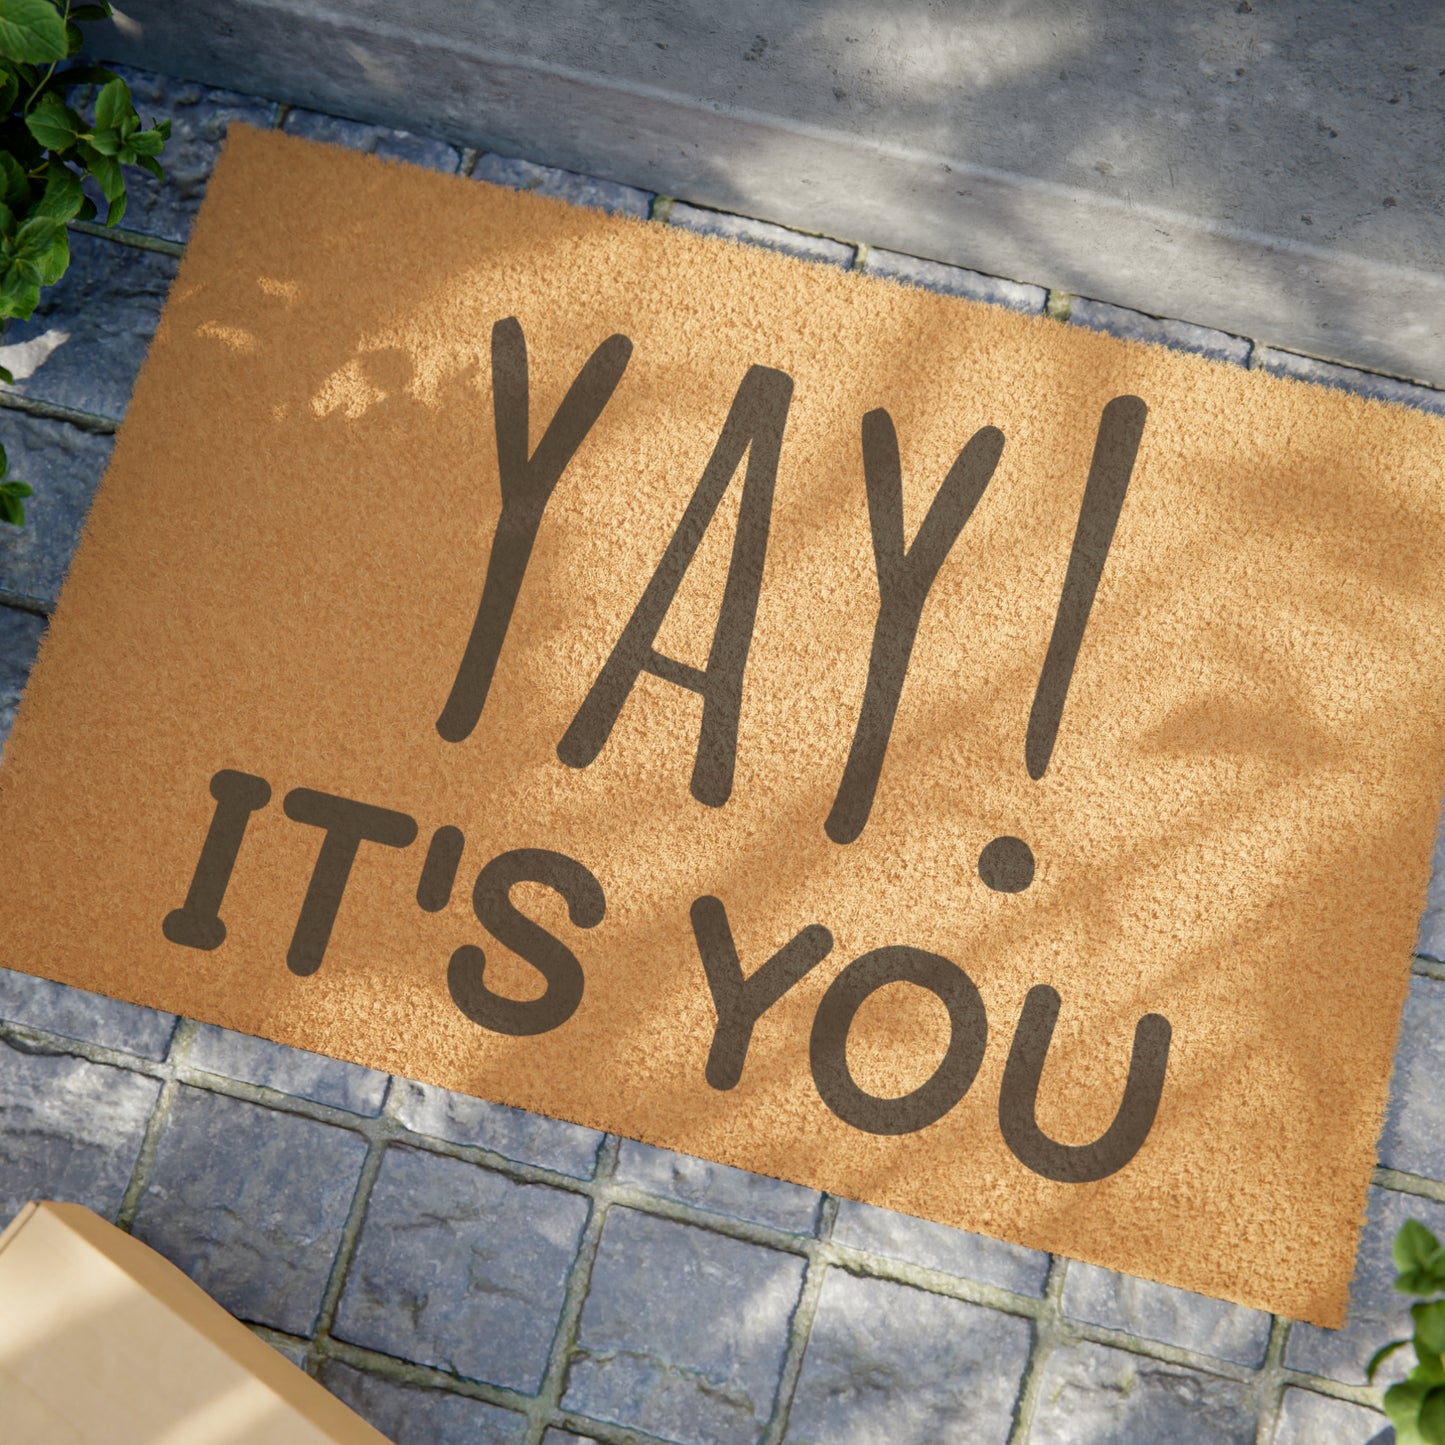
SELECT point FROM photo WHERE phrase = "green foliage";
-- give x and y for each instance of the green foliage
(1416, 1406)
(46, 150)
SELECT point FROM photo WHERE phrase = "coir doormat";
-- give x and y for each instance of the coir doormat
(935, 755)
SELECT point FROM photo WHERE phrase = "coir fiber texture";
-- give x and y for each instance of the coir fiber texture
(934, 755)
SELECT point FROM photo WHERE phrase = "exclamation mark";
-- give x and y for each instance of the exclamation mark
(1007, 864)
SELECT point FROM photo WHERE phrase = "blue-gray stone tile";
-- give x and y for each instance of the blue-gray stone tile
(520, 175)
(376, 140)
(64, 464)
(291, 1071)
(1414, 1135)
(953, 280)
(1136, 326)
(1159, 1312)
(718, 1187)
(1306, 1418)
(1346, 378)
(69, 1130)
(761, 233)
(527, 1138)
(1378, 1313)
(1430, 942)
(461, 1269)
(199, 117)
(20, 634)
(414, 1415)
(936, 1246)
(684, 1331)
(1092, 1395)
(75, 1014)
(887, 1362)
(88, 337)
(250, 1202)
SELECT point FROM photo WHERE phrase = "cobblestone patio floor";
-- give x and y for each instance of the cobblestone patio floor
(458, 1271)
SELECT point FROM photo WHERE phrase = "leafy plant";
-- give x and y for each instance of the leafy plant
(1416, 1406)
(47, 150)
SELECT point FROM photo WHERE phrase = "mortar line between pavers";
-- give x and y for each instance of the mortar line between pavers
(660, 208)
(1045, 1324)
(378, 1135)
(176, 1052)
(19, 602)
(124, 236)
(408, 1372)
(1367, 1395)
(1252, 356)
(1423, 966)
(48, 411)
(468, 156)
(800, 1327)
(1403, 1183)
(1058, 304)
(546, 1407)
(1269, 1392)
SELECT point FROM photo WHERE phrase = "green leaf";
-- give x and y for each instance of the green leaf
(1429, 1326)
(17, 489)
(53, 123)
(4, 460)
(107, 142)
(9, 90)
(35, 237)
(107, 174)
(91, 12)
(55, 260)
(1402, 1405)
(8, 378)
(87, 211)
(1432, 1417)
(74, 40)
(147, 142)
(31, 30)
(63, 196)
(11, 510)
(152, 165)
(1414, 1246)
(14, 185)
(7, 221)
(1380, 1356)
(112, 105)
(116, 210)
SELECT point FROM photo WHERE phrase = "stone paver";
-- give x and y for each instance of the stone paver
(92, 1017)
(718, 1187)
(411, 1415)
(953, 280)
(684, 1331)
(761, 233)
(290, 1071)
(20, 634)
(527, 1138)
(610, 196)
(1430, 942)
(69, 1130)
(1093, 1395)
(1306, 1418)
(88, 337)
(1414, 1135)
(461, 1268)
(1378, 1313)
(200, 116)
(886, 1362)
(936, 1246)
(1172, 1316)
(375, 140)
(250, 1203)
(1179, 335)
(1346, 378)
(64, 465)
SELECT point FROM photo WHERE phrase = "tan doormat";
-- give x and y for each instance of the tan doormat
(938, 756)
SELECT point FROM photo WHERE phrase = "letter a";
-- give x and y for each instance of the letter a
(754, 425)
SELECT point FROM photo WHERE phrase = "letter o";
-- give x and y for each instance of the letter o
(949, 1082)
